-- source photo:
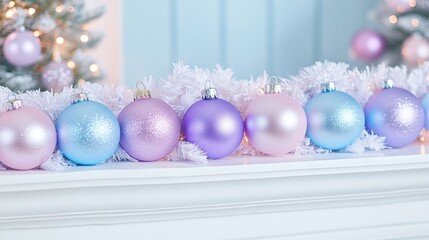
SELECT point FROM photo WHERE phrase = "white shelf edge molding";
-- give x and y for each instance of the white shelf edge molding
(359, 191)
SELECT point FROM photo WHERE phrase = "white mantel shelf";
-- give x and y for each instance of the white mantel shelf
(375, 195)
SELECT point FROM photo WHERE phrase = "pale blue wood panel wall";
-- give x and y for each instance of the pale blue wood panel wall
(249, 36)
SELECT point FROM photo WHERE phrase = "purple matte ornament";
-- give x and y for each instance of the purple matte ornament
(396, 114)
(368, 45)
(22, 48)
(150, 129)
(215, 125)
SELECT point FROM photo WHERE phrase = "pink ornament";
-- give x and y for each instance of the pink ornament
(22, 48)
(150, 128)
(275, 124)
(367, 45)
(400, 5)
(415, 50)
(27, 137)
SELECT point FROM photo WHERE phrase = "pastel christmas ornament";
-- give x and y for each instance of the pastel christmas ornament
(88, 131)
(214, 124)
(415, 50)
(150, 128)
(21, 48)
(56, 75)
(395, 114)
(275, 123)
(335, 118)
(400, 5)
(368, 45)
(27, 136)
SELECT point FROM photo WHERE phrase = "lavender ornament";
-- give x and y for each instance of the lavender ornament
(22, 48)
(396, 114)
(150, 128)
(214, 124)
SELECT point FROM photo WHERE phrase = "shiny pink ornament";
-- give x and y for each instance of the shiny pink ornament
(22, 48)
(275, 124)
(415, 50)
(368, 45)
(27, 137)
(150, 128)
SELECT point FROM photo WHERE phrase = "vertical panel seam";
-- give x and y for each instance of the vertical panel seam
(173, 30)
(222, 32)
(270, 36)
(317, 26)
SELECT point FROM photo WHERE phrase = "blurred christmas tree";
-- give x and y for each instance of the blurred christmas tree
(403, 35)
(43, 43)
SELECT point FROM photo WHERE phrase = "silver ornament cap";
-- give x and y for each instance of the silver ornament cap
(13, 104)
(273, 87)
(388, 84)
(209, 92)
(328, 87)
(79, 97)
(142, 92)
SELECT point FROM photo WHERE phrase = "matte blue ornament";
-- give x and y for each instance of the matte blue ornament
(88, 131)
(334, 118)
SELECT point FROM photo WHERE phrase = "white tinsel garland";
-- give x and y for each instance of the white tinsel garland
(183, 87)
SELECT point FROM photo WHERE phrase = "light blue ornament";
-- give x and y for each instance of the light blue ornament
(334, 118)
(88, 131)
(425, 105)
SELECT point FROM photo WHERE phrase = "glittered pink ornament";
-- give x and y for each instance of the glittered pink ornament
(275, 123)
(27, 137)
(415, 50)
(150, 128)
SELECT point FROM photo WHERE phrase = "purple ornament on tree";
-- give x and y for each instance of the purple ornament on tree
(214, 124)
(56, 75)
(368, 45)
(27, 136)
(395, 114)
(150, 128)
(22, 48)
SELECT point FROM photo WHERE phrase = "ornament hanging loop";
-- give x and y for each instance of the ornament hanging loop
(209, 92)
(273, 86)
(142, 91)
(14, 103)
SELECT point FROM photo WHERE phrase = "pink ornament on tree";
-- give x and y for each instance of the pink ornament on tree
(22, 48)
(415, 50)
(368, 45)
(27, 136)
(400, 5)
